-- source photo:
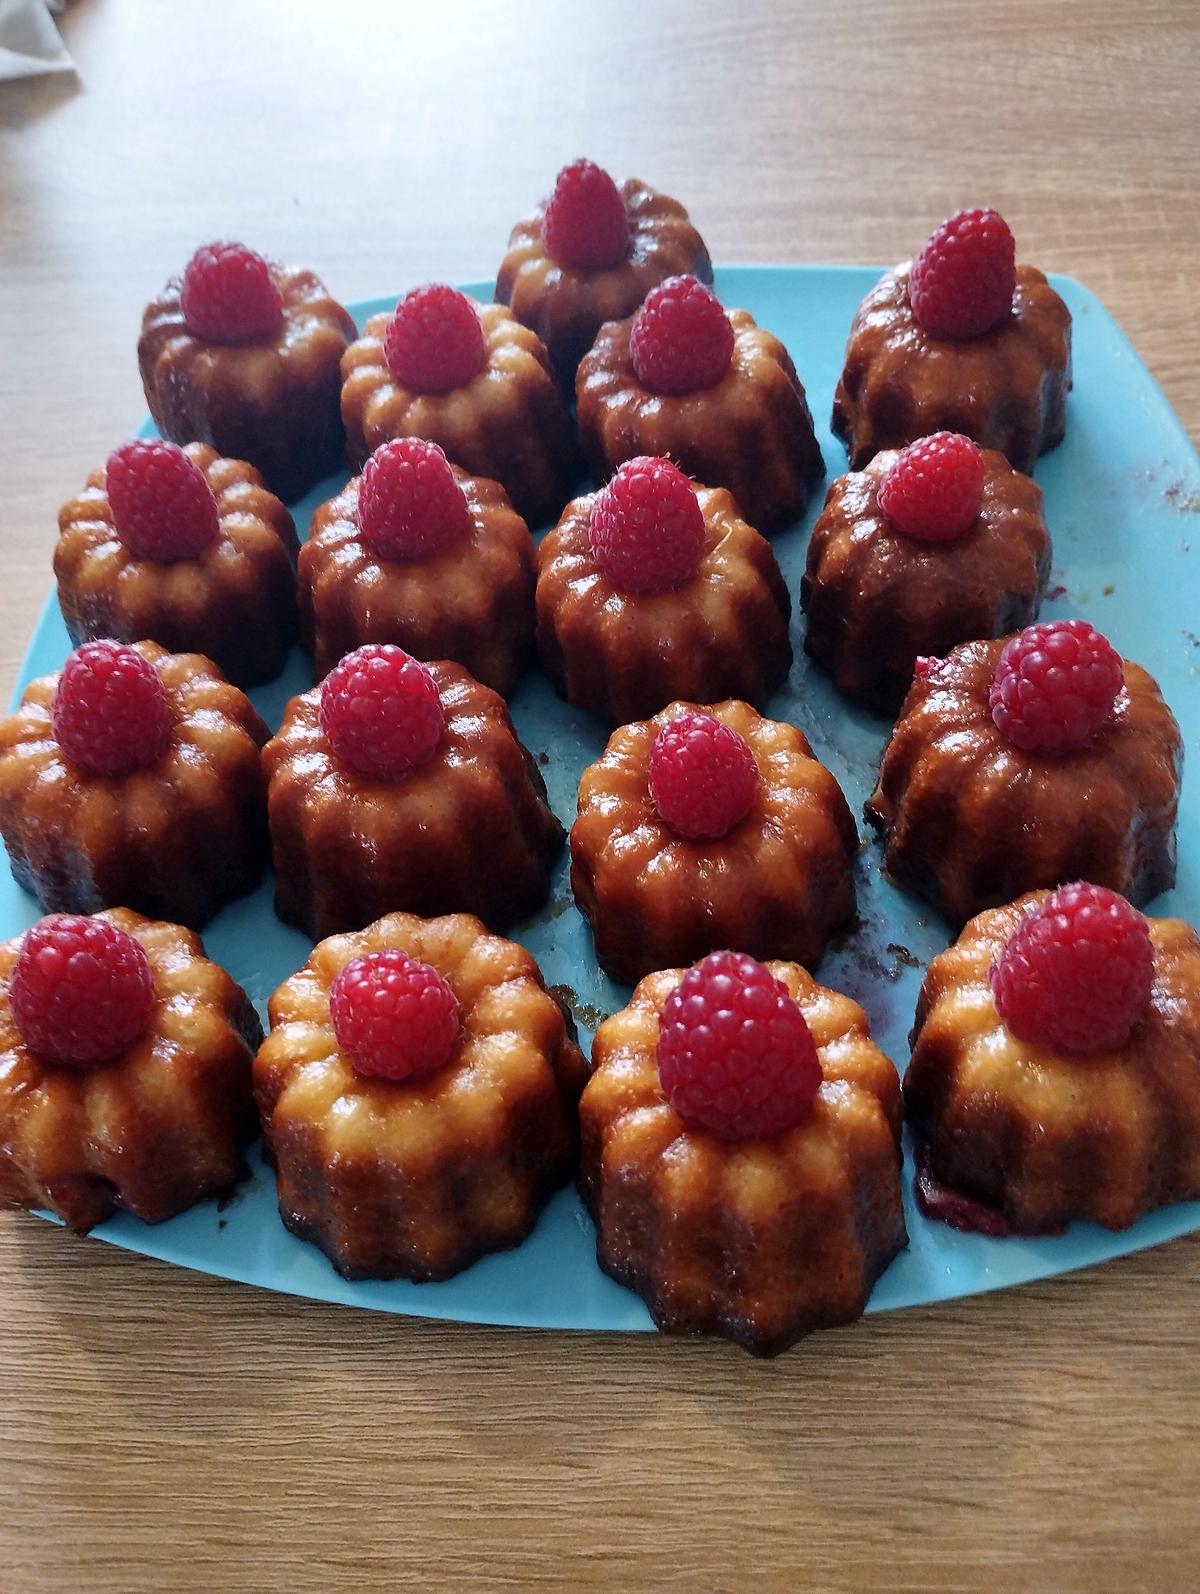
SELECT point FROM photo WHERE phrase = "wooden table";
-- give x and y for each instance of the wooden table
(167, 1432)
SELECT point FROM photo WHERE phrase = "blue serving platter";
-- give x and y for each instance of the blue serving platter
(1123, 505)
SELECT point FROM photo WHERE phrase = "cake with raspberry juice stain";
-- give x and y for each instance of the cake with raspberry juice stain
(181, 547)
(1026, 762)
(959, 339)
(708, 389)
(244, 354)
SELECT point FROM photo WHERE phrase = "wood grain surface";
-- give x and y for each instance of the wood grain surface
(161, 1431)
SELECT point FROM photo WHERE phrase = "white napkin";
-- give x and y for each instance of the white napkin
(29, 42)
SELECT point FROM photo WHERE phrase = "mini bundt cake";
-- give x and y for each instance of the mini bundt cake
(244, 354)
(471, 379)
(132, 778)
(418, 553)
(961, 340)
(712, 391)
(741, 1152)
(709, 828)
(590, 253)
(184, 548)
(1027, 762)
(124, 1070)
(922, 550)
(418, 1093)
(654, 589)
(1055, 1068)
(401, 785)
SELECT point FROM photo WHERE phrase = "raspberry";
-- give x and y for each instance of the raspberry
(961, 284)
(585, 224)
(647, 527)
(80, 990)
(409, 504)
(703, 777)
(382, 711)
(1076, 974)
(110, 713)
(1054, 686)
(734, 1052)
(162, 506)
(934, 490)
(230, 296)
(682, 340)
(396, 1017)
(434, 341)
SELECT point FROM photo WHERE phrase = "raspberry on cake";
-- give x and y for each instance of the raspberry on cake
(419, 1093)
(703, 777)
(184, 548)
(961, 284)
(243, 354)
(741, 1152)
(1054, 687)
(124, 1070)
(681, 340)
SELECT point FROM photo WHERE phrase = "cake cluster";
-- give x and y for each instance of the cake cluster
(421, 1092)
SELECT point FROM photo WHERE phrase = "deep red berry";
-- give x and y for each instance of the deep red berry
(1076, 974)
(434, 341)
(110, 714)
(961, 284)
(682, 340)
(647, 528)
(409, 504)
(230, 296)
(703, 777)
(381, 711)
(1054, 686)
(81, 990)
(585, 224)
(735, 1054)
(934, 490)
(394, 1016)
(162, 506)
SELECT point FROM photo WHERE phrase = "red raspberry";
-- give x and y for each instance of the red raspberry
(1076, 974)
(1054, 686)
(81, 990)
(647, 527)
(585, 224)
(682, 340)
(409, 504)
(934, 490)
(734, 1052)
(382, 711)
(394, 1016)
(162, 506)
(110, 713)
(434, 341)
(961, 284)
(230, 296)
(703, 777)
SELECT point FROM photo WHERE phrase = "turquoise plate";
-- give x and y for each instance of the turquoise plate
(1122, 495)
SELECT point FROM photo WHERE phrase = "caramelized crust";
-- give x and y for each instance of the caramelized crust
(566, 306)
(1007, 389)
(624, 655)
(177, 840)
(762, 1241)
(1046, 1138)
(971, 821)
(274, 404)
(779, 882)
(469, 831)
(417, 1178)
(236, 602)
(473, 604)
(152, 1132)
(508, 423)
(876, 599)
(751, 432)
